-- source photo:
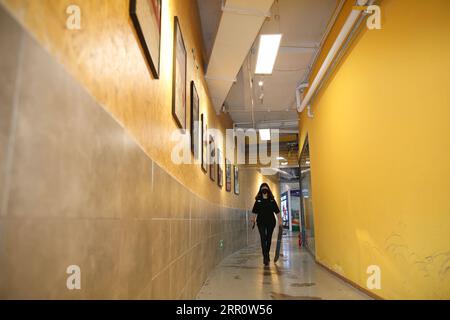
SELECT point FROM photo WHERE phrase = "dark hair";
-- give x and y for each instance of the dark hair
(259, 194)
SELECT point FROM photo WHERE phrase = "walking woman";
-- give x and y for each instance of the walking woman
(263, 214)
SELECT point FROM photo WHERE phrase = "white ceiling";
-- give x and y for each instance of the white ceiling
(302, 23)
(210, 11)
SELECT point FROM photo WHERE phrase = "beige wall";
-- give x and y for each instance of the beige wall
(85, 170)
(105, 57)
(76, 189)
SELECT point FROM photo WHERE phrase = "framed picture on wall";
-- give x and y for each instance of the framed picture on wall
(219, 168)
(236, 180)
(195, 130)
(204, 144)
(228, 175)
(146, 17)
(179, 78)
(212, 158)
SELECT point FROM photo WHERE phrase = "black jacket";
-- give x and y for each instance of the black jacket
(265, 209)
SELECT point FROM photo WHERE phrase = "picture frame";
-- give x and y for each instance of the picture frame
(146, 17)
(212, 158)
(228, 175)
(219, 168)
(195, 121)
(236, 180)
(179, 77)
(204, 144)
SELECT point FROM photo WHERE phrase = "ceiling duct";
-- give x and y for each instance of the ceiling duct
(338, 48)
(239, 26)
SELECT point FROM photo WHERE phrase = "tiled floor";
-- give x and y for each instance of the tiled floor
(294, 277)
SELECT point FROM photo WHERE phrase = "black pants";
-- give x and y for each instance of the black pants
(265, 232)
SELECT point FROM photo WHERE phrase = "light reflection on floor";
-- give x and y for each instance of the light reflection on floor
(294, 277)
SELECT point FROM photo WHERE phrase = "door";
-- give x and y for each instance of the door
(285, 210)
(307, 212)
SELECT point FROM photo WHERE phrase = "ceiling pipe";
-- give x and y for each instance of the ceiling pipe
(282, 121)
(251, 91)
(235, 109)
(310, 114)
(324, 37)
(242, 125)
(298, 94)
(284, 126)
(345, 31)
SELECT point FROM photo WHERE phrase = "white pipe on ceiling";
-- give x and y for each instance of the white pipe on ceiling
(324, 37)
(352, 18)
(298, 94)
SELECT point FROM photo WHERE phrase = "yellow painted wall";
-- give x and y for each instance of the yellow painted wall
(380, 155)
(105, 56)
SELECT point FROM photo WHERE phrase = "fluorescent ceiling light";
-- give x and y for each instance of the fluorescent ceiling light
(280, 158)
(264, 134)
(267, 53)
(284, 163)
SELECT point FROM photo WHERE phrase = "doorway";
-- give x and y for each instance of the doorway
(307, 212)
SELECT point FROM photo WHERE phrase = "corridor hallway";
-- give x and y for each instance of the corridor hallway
(139, 140)
(295, 276)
